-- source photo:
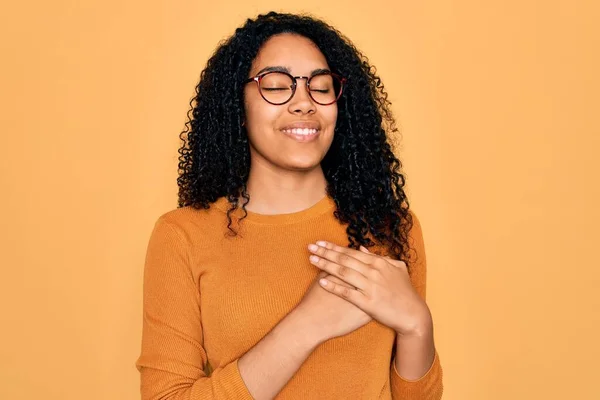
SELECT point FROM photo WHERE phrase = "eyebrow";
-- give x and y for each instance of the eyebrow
(280, 68)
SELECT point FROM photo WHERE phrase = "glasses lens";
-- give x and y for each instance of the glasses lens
(325, 88)
(276, 87)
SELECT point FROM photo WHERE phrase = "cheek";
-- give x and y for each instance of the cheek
(259, 114)
(331, 115)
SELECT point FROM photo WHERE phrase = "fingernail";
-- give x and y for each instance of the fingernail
(323, 282)
(313, 247)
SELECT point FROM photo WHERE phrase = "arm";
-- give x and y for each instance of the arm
(172, 358)
(271, 363)
(416, 372)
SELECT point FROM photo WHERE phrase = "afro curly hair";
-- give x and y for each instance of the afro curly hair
(363, 175)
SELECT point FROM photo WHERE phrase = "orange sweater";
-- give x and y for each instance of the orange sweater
(209, 298)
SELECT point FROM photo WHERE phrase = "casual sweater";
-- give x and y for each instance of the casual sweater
(209, 297)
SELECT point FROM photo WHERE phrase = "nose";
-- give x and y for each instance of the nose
(301, 102)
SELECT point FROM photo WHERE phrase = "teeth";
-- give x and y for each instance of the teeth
(297, 131)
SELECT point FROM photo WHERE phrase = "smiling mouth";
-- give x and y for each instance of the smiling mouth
(301, 131)
(302, 134)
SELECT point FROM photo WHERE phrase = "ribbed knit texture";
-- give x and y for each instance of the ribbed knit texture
(210, 297)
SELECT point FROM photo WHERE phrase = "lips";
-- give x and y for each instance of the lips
(302, 131)
(302, 125)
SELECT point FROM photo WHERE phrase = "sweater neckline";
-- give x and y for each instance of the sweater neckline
(325, 205)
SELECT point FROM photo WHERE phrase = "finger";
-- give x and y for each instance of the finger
(340, 271)
(352, 295)
(395, 263)
(337, 255)
(324, 274)
(337, 280)
(366, 258)
(377, 260)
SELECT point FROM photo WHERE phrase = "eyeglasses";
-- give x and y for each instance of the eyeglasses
(278, 87)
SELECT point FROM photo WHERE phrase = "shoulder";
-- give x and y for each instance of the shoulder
(189, 222)
(411, 234)
(179, 216)
(415, 234)
(417, 257)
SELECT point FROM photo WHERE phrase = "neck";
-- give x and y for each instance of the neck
(282, 192)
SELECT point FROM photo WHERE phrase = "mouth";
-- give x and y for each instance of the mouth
(302, 134)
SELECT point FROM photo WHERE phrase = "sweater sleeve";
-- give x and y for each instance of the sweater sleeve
(172, 359)
(429, 386)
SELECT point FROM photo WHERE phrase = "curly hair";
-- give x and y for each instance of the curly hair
(363, 176)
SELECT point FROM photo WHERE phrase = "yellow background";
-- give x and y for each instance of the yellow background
(498, 104)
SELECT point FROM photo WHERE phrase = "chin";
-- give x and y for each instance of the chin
(302, 165)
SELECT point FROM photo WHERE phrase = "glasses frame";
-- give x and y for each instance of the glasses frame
(259, 78)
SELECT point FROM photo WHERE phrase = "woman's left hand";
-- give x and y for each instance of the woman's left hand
(382, 286)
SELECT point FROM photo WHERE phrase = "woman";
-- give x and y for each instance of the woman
(286, 177)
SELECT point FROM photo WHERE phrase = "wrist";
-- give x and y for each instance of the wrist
(305, 333)
(422, 325)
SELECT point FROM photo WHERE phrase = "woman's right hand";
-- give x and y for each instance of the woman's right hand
(328, 315)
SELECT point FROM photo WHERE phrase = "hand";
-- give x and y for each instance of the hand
(329, 315)
(382, 286)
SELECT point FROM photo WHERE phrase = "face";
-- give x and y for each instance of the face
(272, 140)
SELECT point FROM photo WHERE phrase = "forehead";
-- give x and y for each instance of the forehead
(295, 52)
